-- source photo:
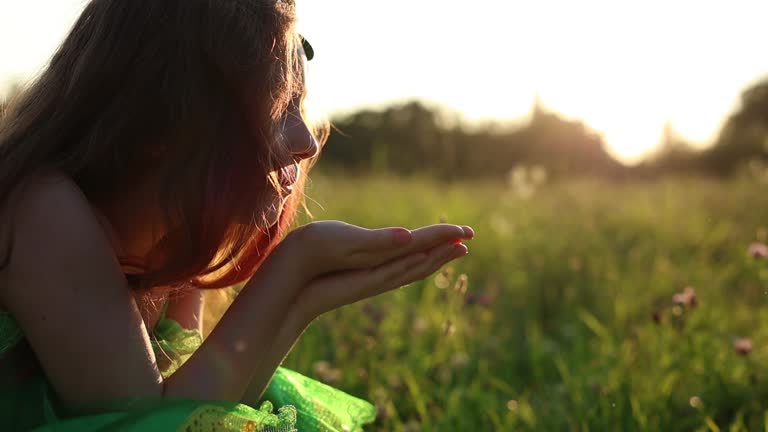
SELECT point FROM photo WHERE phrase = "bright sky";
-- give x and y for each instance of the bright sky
(623, 67)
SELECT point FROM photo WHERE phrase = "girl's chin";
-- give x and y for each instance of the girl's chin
(270, 218)
(272, 215)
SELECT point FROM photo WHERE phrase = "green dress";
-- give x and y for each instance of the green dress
(27, 401)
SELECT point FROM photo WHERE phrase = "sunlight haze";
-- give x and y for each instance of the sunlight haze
(624, 68)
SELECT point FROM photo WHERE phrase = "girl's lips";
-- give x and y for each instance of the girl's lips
(288, 176)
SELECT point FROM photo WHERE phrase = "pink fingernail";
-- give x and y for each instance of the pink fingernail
(468, 231)
(401, 236)
(461, 250)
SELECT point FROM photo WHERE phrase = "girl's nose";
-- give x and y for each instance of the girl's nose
(304, 146)
(301, 143)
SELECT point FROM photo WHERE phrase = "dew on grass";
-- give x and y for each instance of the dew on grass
(420, 325)
(500, 225)
(460, 360)
(449, 328)
(443, 279)
(412, 426)
(461, 284)
(695, 402)
(512, 405)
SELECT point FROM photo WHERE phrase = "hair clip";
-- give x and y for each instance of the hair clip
(308, 50)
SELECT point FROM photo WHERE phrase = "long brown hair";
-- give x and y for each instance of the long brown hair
(190, 90)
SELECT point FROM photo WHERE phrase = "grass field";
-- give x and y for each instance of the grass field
(562, 317)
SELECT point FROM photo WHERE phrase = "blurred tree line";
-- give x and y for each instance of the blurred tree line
(742, 143)
(414, 139)
(411, 138)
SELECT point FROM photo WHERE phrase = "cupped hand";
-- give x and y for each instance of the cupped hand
(328, 246)
(343, 263)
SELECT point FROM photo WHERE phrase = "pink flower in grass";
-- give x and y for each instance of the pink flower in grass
(743, 346)
(685, 298)
(758, 250)
(478, 299)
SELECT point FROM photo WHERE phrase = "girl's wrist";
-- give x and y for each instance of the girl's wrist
(291, 253)
(301, 315)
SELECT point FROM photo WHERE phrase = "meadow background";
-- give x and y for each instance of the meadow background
(564, 316)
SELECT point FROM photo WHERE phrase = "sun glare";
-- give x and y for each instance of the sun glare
(625, 69)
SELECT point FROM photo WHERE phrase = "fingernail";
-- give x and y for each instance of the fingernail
(468, 231)
(401, 236)
(461, 250)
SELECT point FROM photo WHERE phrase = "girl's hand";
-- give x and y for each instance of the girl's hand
(325, 265)
(328, 246)
(342, 263)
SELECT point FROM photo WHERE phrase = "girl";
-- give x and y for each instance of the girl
(162, 152)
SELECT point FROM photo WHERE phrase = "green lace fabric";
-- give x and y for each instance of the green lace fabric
(27, 402)
(173, 344)
(10, 333)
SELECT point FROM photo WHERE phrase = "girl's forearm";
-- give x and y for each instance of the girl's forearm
(241, 346)
(286, 338)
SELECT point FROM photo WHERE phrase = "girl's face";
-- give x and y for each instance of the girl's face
(301, 144)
